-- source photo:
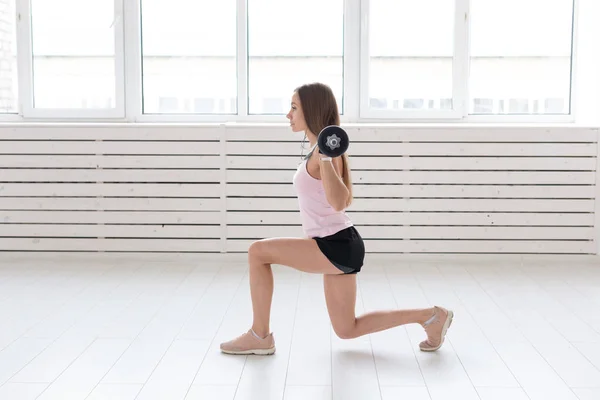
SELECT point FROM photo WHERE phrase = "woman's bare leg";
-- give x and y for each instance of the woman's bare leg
(340, 295)
(301, 254)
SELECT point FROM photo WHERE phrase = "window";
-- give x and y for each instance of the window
(8, 58)
(483, 105)
(240, 60)
(73, 54)
(291, 43)
(189, 54)
(409, 60)
(521, 57)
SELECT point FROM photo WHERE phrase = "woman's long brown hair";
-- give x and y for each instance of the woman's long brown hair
(320, 110)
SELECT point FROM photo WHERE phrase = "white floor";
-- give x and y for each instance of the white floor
(128, 327)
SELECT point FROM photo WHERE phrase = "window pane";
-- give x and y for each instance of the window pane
(284, 53)
(521, 56)
(8, 58)
(73, 53)
(189, 56)
(411, 54)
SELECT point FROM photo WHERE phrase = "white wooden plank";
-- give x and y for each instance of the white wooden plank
(95, 131)
(420, 232)
(405, 392)
(242, 132)
(262, 162)
(119, 391)
(110, 175)
(111, 217)
(428, 163)
(176, 370)
(477, 163)
(423, 133)
(123, 245)
(49, 161)
(424, 149)
(377, 132)
(430, 177)
(109, 161)
(133, 204)
(537, 377)
(467, 205)
(87, 370)
(423, 218)
(165, 161)
(474, 134)
(587, 393)
(115, 147)
(458, 246)
(109, 189)
(422, 191)
(111, 231)
(263, 133)
(22, 391)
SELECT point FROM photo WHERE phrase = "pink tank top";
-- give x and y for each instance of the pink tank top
(318, 217)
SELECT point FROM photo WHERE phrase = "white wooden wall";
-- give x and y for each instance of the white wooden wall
(216, 188)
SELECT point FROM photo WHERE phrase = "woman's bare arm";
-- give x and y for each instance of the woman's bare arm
(335, 190)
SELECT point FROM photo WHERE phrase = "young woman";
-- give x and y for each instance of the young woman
(332, 247)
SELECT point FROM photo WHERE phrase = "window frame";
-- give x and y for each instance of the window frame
(460, 72)
(571, 117)
(128, 82)
(25, 68)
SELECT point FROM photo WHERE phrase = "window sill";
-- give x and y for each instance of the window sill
(268, 124)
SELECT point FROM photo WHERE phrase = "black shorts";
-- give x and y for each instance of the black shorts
(345, 249)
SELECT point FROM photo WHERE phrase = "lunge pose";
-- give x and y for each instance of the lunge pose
(332, 247)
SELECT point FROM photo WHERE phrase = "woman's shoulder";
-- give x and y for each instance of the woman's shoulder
(313, 166)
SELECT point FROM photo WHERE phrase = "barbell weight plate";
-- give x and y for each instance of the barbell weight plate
(333, 141)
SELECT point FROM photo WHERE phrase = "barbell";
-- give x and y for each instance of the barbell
(333, 141)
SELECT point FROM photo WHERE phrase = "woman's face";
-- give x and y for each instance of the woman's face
(295, 115)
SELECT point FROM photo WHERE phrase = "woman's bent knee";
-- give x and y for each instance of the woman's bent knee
(257, 250)
(345, 332)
